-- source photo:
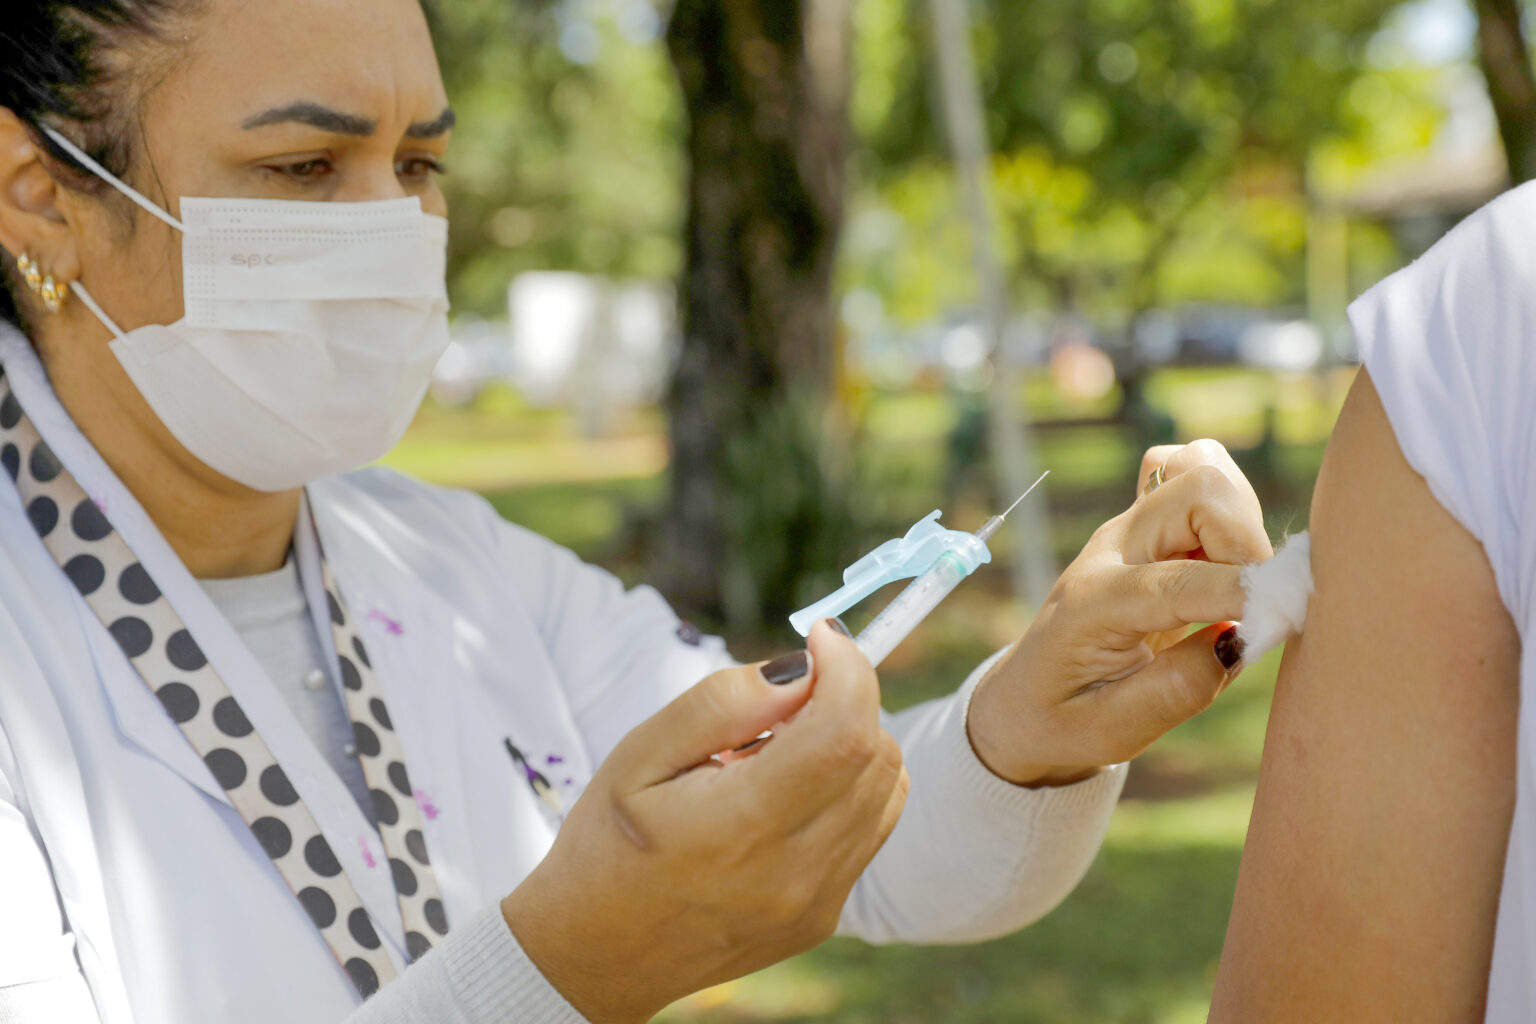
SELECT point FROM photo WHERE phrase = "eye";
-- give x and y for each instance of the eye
(420, 168)
(306, 170)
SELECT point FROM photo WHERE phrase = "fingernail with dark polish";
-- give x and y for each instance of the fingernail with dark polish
(786, 670)
(1229, 649)
(841, 627)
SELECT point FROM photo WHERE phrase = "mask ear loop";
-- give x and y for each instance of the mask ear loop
(91, 304)
(85, 160)
(112, 179)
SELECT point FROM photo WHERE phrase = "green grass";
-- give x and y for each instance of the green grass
(1138, 942)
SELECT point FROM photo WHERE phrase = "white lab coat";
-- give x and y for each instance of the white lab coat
(121, 856)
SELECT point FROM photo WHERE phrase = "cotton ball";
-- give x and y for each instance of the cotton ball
(1278, 591)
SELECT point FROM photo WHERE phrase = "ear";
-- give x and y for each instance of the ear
(30, 220)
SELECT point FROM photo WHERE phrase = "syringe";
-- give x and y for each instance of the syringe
(924, 594)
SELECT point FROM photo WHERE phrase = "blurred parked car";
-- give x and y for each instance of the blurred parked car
(1268, 339)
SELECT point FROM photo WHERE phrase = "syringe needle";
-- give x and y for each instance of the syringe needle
(923, 595)
(1026, 494)
(990, 528)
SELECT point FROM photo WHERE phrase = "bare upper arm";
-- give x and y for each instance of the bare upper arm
(1370, 882)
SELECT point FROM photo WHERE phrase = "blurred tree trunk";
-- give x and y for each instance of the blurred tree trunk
(765, 85)
(1506, 62)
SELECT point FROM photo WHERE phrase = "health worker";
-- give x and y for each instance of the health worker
(285, 740)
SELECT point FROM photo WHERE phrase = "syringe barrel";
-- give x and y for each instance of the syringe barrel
(910, 608)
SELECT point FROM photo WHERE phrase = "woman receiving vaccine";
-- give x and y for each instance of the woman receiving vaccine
(285, 740)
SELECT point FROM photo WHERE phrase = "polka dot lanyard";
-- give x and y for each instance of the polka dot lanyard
(130, 605)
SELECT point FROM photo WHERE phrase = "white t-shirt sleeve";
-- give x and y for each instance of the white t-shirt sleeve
(1450, 344)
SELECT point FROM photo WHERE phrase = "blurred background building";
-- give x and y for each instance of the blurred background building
(724, 320)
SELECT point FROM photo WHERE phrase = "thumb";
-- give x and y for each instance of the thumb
(1180, 682)
(724, 711)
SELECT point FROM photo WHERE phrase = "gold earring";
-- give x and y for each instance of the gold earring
(53, 294)
(29, 272)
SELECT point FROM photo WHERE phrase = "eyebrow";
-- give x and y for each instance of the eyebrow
(316, 116)
(434, 129)
(336, 122)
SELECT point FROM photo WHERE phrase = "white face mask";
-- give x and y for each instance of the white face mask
(310, 335)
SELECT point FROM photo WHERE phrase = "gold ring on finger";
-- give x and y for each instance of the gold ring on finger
(1155, 479)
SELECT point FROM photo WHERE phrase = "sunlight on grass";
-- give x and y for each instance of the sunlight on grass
(483, 465)
(1217, 820)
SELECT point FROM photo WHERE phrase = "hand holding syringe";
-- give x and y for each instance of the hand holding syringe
(938, 558)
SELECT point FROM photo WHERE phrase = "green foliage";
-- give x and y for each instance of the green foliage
(1149, 151)
(1136, 91)
(1388, 113)
(558, 165)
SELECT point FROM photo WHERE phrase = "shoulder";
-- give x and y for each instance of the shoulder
(1448, 344)
(439, 533)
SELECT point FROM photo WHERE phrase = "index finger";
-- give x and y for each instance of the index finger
(1162, 596)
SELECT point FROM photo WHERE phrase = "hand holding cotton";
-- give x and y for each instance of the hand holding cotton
(1278, 593)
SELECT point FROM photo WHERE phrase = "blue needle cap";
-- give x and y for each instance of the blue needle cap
(901, 559)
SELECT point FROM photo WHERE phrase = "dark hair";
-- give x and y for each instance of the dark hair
(55, 68)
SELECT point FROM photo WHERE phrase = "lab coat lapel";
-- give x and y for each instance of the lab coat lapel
(136, 710)
(58, 804)
(139, 713)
